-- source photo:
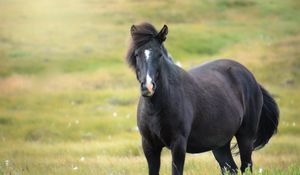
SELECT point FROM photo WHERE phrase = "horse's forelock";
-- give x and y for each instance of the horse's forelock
(141, 34)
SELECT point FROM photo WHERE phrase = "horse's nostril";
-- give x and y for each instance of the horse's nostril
(143, 85)
(154, 85)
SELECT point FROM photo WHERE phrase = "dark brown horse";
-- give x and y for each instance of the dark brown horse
(197, 110)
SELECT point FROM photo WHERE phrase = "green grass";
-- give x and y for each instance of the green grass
(68, 100)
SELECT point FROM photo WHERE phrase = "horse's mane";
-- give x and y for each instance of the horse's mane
(141, 34)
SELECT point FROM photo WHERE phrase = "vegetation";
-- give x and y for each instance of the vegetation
(68, 100)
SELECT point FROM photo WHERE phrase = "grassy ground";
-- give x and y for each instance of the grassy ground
(68, 100)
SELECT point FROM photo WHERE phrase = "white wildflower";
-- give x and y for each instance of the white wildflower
(82, 158)
(6, 162)
(115, 114)
(260, 170)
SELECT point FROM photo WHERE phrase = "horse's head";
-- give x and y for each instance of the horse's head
(145, 55)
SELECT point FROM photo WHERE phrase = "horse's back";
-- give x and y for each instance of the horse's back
(224, 72)
(217, 65)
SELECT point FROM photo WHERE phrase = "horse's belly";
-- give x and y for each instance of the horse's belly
(197, 149)
(202, 145)
(208, 138)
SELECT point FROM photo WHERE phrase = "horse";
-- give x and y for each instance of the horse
(197, 110)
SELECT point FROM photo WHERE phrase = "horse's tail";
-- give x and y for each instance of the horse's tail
(269, 119)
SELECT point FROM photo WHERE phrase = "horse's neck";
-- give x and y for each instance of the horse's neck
(167, 55)
(169, 76)
(169, 81)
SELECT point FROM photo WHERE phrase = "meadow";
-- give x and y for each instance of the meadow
(68, 99)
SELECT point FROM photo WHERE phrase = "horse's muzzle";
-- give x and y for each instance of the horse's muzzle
(148, 89)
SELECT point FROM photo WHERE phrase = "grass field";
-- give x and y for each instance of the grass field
(68, 100)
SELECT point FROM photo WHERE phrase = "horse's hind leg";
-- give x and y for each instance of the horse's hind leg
(246, 147)
(225, 160)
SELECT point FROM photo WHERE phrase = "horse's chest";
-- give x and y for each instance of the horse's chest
(161, 131)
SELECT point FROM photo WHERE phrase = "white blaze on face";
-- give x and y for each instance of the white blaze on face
(149, 84)
(147, 54)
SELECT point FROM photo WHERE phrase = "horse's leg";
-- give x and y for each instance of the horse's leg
(225, 160)
(178, 149)
(152, 154)
(245, 146)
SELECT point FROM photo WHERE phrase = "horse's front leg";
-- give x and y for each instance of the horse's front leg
(152, 153)
(178, 149)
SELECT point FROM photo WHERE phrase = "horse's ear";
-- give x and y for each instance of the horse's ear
(133, 29)
(162, 35)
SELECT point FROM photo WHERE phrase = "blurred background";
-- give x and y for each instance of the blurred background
(68, 99)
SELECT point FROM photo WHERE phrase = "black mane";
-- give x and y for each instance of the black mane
(142, 34)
